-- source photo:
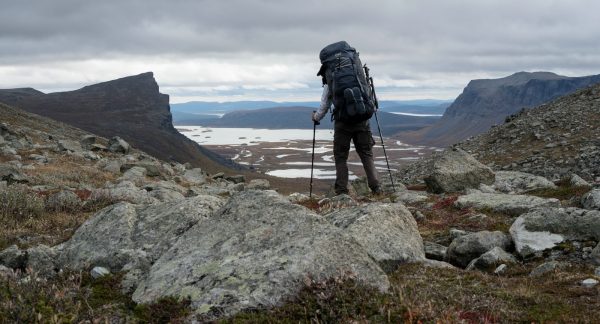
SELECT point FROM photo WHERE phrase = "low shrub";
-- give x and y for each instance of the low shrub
(17, 203)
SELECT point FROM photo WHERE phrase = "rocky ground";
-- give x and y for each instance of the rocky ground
(551, 140)
(95, 230)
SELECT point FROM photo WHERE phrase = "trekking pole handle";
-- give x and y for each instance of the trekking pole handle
(314, 121)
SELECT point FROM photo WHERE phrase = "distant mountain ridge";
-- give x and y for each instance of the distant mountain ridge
(485, 103)
(131, 107)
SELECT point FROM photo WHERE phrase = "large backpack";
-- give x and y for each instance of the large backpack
(345, 77)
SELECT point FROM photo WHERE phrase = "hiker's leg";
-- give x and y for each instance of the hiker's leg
(341, 147)
(363, 142)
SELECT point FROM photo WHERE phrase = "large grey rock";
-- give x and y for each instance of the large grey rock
(113, 166)
(410, 196)
(577, 181)
(491, 259)
(152, 168)
(519, 182)
(124, 191)
(14, 258)
(435, 251)
(118, 145)
(468, 247)
(544, 228)
(388, 232)
(136, 175)
(162, 194)
(69, 146)
(87, 141)
(455, 170)
(42, 260)
(122, 233)
(10, 174)
(258, 184)
(64, 200)
(547, 267)
(255, 252)
(595, 255)
(195, 176)
(504, 203)
(591, 200)
(98, 272)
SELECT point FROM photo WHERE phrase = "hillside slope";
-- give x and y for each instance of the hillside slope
(130, 107)
(550, 140)
(485, 103)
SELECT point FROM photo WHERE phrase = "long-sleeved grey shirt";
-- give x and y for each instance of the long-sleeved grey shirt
(326, 101)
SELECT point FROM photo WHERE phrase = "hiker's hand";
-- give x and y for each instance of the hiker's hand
(314, 117)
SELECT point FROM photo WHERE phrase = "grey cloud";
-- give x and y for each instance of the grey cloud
(401, 39)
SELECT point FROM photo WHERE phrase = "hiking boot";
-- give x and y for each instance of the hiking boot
(377, 191)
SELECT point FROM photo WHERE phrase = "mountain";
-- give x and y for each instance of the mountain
(552, 140)
(130, 107)
(485, 103)
(299, 118)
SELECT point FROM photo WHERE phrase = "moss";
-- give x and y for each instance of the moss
(165, 310)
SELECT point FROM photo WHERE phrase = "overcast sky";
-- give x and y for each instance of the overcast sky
(227, 50)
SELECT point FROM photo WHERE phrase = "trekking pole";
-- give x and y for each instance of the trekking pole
(312, 163)
(370, 80)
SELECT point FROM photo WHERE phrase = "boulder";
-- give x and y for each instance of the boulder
(544, 228)
(118, 145)
(257, 251)
(297, 197)
(435, 251)
(14, 258)
(514, 182)
(455, 170)
(437, 264)
(69, 146)
(490, 260)
(152, 169)
(123, 191)
(113, 166)
(98, 148)
(504, 203)
(387, 232)
(42, 260)
(258, 184)
(165, 190)
(577, 181)
(195, 176)
(98, 272)
(64, 200)
(162, 194)
(11, 175)
(591, 200)
(409, 196)
(595, 255)
(589, 283)
(87, 141)
(236, 178)
(546, 267)
(468, 247)
(125, 233)
(136, 175)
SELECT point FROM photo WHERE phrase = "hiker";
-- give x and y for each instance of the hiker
(345, 86)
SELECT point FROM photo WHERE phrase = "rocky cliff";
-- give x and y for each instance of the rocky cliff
(485, 103)
(130, 107)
